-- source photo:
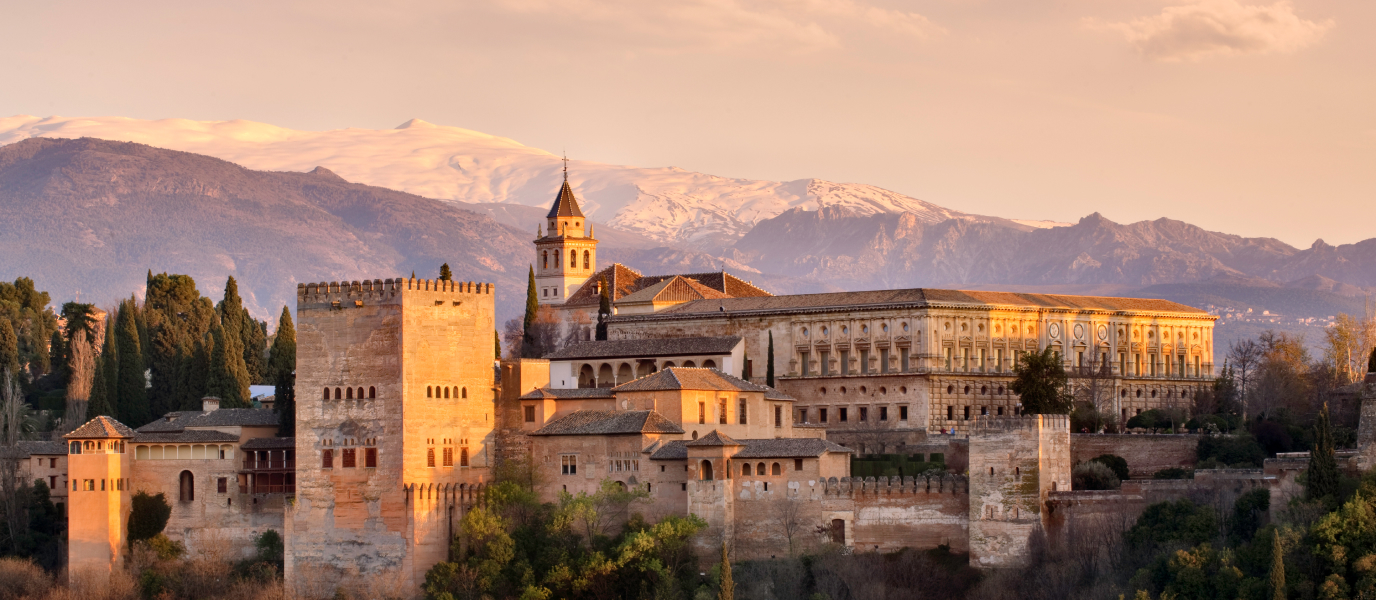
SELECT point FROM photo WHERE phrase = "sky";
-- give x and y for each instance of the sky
(1249, 117)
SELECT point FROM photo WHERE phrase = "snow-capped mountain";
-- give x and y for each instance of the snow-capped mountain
(667, 204)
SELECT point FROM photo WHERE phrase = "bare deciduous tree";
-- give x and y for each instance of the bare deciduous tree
(1244, 356)
(788, 513)
(82, 365)
(16, 422)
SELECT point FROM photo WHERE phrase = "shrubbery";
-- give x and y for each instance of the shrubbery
(1093, 476)
(1115, 463)
(1241, 451)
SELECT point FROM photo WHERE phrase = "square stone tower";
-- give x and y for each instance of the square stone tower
(566, 253)
(99, 501)
(1014, 464)
(395, 418)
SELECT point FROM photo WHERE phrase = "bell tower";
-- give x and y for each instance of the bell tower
(565, 251)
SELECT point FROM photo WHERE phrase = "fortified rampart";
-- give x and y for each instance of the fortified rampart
(1146, 454)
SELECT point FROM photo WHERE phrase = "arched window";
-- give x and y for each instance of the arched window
(556, 260)
(338, 394)
(76, 448)
(706, 470)
(709, 364)
(760, 469)
(573, 259)
(463, 457)
(464, 392)
(327, 393)
(90, 446)
(775, 469)
(546, 261)
(360, 393)
(587, 264)
(745, 470)
(427, 392)
(372, 392)
(349, 393)
(188, 487)
(446, 392)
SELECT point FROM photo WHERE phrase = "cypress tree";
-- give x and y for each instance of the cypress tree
(728, 587)
(227, 379)
(132, 384)
(604, 308)
(532, 307)
(1277, 568)
(255, 340)
(497, 341)
(196, 369)
(102, 400)
(232, 309)
(109, 376)
(283, 366)
(1322, 478)
(445, 273)
(9, 348)
(59, 357)
(769, 364)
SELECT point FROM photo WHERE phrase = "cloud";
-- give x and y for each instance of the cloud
(1207, 28)
(788, 25)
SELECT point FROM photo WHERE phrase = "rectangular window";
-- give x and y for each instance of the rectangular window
(864, 413)
(965, 359)
(843, 414)
(222, 485)
(821, 415)
(349, 458)
(448, 457)
(903, 360)
(463, 457)
(530, 414)
(845, 362)
(946, 354)
(950, 413)
(903, 413)
(883, 360)
(998, 360)
(721, 406)
(740, 412)
(806, 358)
(1122, 363)
(430, 457)
(327, 459)
(1080, 359)
(90, 485)
(778, 415)
(864, 361)
(802, 415)
(702, 413)
(983, 360)
(749, 369)
(883, 413)
(370, 458)
(569, 464)
(825, 358)
(797, 464)
(967, 413)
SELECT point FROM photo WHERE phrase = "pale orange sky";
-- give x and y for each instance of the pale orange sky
(1253, 118)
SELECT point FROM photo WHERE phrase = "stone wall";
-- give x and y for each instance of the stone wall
(1146, 454)
(212, 518)
(1014, 463)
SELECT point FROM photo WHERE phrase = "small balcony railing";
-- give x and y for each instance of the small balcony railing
(274, 464)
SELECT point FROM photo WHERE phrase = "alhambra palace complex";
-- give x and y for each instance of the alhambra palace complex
(401, 417)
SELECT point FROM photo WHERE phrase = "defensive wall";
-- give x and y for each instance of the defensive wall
(1146, 453)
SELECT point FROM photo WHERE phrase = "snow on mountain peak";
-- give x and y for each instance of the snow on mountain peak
(669, 204)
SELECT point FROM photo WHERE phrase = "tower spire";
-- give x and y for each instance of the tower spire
(566, 166)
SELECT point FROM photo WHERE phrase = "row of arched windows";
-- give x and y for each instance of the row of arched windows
(348, 393)
(444, 392)
(97, 447)
(573, 259)
(760, 470)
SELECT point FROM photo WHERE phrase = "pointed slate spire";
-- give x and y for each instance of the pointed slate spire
(565, 204)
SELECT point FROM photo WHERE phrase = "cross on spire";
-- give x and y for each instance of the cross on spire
(566, 165)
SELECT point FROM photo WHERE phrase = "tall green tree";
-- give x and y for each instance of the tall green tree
(178, 318)
(604, 308)
(255, 340)
(497, 341)
(445, 273)
(197, 370)
(131, 383)
(1277, 568)
(103, 389)
(1321, 480)
(769, 363)
(228, 378)
(282, 362)
(1042, 383)
(727, 590)
(528, 349)
(9, 348)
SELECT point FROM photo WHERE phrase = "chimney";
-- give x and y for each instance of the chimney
(210, 404)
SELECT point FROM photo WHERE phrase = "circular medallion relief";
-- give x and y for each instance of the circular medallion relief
(1053, 330)
(1103, 332)
(1079, 331)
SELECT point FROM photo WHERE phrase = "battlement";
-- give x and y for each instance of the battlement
(382, 289)
(893, 486)
(991, 424)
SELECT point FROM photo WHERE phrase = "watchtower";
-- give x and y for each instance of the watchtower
(1014, 464)
(395, 393)
(99, 501)
(565, 256)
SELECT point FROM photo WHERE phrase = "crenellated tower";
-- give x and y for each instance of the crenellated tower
(565, 251)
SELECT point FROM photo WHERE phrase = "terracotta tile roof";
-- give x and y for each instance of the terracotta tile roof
(775, 448)
(917, 298)
(675, 450)
(272, 443)
(224, 417)
(621, 279)
(688, 378)
(565, 204)
(43, 447)
(689, 346)
(625, 281)
(675, 289)
(714, 438)
(102, 427)
(569, 394)
(193, 436)
(609, 422)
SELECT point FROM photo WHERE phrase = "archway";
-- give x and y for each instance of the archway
(188, 487)
(604, 376)
(623, 374)
(709, 364)
(706, 470)
(688, 364)
(586, 378)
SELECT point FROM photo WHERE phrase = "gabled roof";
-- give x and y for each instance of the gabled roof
(675, 289)
(689, 378)
(43, 447)
(721, 281)
(621, 280)
(625, 281)
(689, 346)
(225, 417)
(609, 422)
(565, 204)
(102, 427)
(598, 393)
(714, 438)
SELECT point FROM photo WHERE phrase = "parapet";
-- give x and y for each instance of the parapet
(382, 289)
(995, 424)
(890, 486)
